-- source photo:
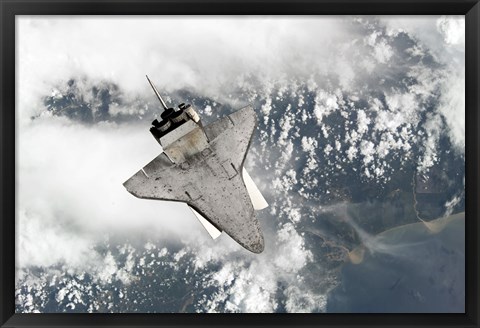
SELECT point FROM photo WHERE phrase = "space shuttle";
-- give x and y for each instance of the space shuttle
(202, 166)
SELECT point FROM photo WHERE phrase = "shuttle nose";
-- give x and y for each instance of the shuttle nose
(256, 244)
(258, 247)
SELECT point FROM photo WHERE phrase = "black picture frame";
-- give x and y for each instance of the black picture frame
(10, 8)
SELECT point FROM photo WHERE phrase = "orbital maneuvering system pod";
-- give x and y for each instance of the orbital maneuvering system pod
(202, 166)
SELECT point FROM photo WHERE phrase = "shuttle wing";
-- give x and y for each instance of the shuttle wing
(210, 181)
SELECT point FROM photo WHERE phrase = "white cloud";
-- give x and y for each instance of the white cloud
(362, 122)
(383, 52)
(304, 301)
(309, 144)
(452, 107)
(208, 110)
(429, 157)
(286, 124)
(70, 189)
(452, 29)
(292, 255)
(445, 40)
(325, 104)
(252, 286)
(45, 243)
(367, 149)
(211, 56)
